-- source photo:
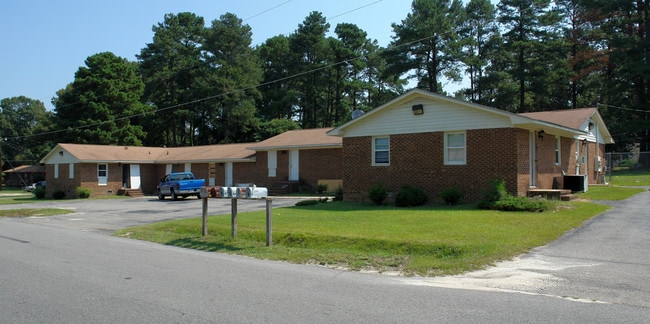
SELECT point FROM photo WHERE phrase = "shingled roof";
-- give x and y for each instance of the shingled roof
(304, 138)
(150, 155)
(572, 118)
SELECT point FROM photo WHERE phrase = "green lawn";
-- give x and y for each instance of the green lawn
(630, 178)
(426, 241)
(15, 196)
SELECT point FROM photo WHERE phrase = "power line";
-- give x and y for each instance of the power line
(222, 94)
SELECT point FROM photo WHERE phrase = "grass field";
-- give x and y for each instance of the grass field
(630, 178)
(425, 241)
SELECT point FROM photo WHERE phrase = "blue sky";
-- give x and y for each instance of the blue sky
(44, 42)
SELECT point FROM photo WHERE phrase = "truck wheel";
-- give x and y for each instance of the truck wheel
(174, 197)
(160, 196)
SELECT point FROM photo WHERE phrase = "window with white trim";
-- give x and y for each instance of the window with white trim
(381, 150)
(558, 147)
(102, 174)
(455, 149)
(56, 170)
(71, 170)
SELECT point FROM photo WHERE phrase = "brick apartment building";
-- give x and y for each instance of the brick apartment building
(419, 139)
(435, 142)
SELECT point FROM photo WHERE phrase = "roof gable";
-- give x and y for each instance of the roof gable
(441, 113)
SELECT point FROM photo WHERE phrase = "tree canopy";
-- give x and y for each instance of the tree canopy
(198, 83)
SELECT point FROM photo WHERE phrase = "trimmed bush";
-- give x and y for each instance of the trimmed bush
(58, 194)
(39, 192)
(83, 192)
(451, 196)
(410, 197)
(497, 198)
(513, 203)
(378, 193)
(338, 195)
(321, 188)
(309, 202)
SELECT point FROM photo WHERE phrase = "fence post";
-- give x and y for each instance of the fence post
(269, 221)
(233, 216)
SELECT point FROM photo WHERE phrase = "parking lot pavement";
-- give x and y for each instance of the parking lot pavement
(109, 215)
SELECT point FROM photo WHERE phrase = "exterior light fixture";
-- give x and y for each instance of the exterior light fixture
(541, 134)
(418, 109)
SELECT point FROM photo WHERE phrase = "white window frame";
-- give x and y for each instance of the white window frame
(56, 170)
(376, 150)
(558, 150)
(102, 180)
(71, 171)
(449, 148)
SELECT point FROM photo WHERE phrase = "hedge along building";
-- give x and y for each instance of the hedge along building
(291, 158)
(434, 142)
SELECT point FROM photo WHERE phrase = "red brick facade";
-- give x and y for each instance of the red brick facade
(418, 160)
(315, 164)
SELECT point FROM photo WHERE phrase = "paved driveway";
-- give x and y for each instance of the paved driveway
(108, 215)
(605, 260)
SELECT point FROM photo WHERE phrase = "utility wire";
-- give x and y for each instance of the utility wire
(221, 94)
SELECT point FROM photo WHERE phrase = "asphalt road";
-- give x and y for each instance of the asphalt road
(65, 269)
(108, 215)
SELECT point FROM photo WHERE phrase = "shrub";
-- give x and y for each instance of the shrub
(58, 194)
(378, 193)
(497, 198)
(410, 197)
(338, 195)
(321, 188)
(512, 203)
(309, 202)
(451, 196)
(39, 192)
(497, 191)
(83, 192)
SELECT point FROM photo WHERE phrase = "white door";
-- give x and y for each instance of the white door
(134, 175)
(294, 165)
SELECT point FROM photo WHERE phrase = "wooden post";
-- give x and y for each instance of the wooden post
(269, 221)
(205, 215)
(233, 216)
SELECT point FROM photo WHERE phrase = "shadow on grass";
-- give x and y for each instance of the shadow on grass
(202, 245)
(368, 245)
(365, 206)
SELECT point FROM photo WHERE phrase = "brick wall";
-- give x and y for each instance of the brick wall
(314, 165)
(418, 160)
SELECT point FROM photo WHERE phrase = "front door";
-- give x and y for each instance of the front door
(294, 164)
(134, 177)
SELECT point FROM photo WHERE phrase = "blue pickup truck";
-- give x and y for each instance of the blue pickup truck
(180, 184)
